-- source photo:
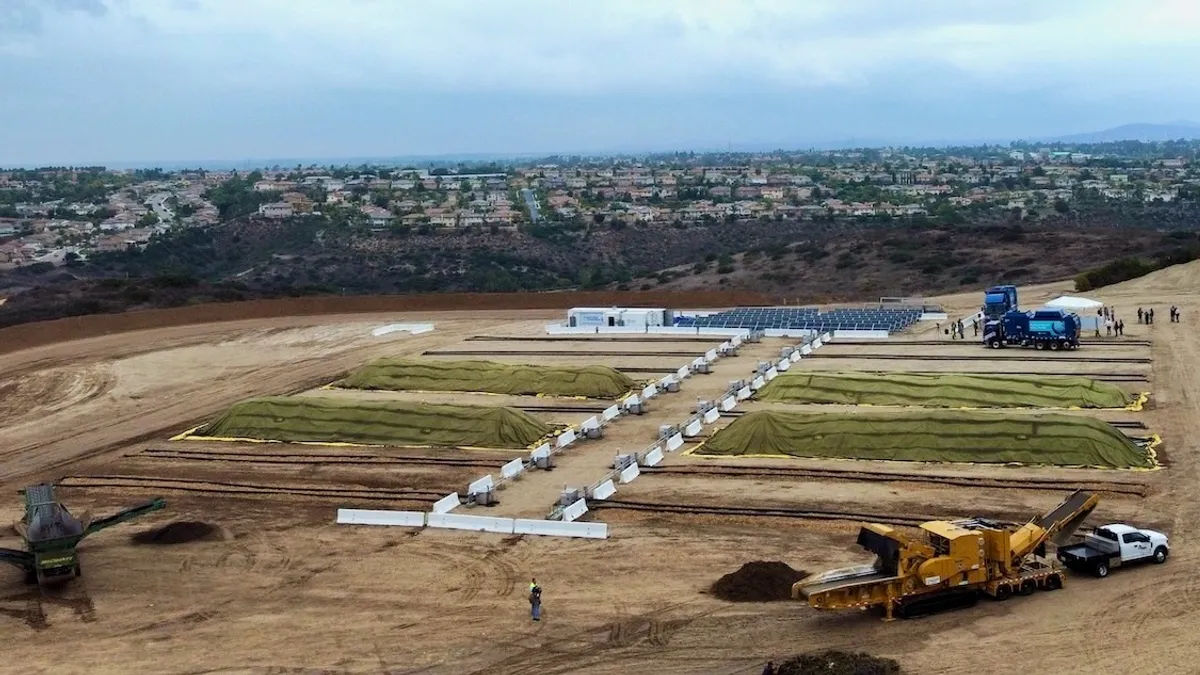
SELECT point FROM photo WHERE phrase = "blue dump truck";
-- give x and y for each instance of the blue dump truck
(998, 301)
(1051, 329)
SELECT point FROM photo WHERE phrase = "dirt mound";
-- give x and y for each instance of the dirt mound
(179, 532)
(838, 663)
(758, 581)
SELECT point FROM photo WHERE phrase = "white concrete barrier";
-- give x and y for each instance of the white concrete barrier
(744, 393)
(565, 438)
(728, 403)
(555, 528)
(862, 335)
(649, 392)
(539, 452)
(482, 485)
(692, 429)
(710, 355)
(771, 374)
(725, 346)
(711, 415)
(806, 350)
(736, 341)
(473, 523)
(787, 332)
(698, 363)
(592, 422)
(795, 355)
(574, 511)
(654, 457)
(666, 382)
(604, 490)
(369, 517)
(631, 401)
(629, 473)
(446, 504)
(826, 337)
(816, 344)
(414, 328)
(674, 442)
(783, 365)
(511, 469)
(610, 413)
(757, 383)
(683, 373)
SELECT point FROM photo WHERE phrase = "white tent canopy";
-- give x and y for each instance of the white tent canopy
(1074, 303)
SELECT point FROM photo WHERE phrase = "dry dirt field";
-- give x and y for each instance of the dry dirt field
(279, 588)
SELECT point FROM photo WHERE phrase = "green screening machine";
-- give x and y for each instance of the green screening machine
(51, 535)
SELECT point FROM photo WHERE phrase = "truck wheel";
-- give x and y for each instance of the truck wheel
(1100, 570)
(994, 343)
(1028, 587)
(1003, 593)
(1055, 346)
(1160, 555)
(1053, 582)
(1039, 346)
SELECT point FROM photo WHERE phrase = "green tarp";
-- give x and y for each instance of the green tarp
(944, 390)
(931, 436)
(490, 377)
(312, 419)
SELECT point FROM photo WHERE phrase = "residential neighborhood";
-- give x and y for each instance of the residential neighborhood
(41, 223)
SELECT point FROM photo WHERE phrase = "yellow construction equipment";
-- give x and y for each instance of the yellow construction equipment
(951, 565)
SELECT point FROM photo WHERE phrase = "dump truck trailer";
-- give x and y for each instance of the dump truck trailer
(951, 564)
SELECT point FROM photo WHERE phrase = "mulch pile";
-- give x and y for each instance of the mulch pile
(179, 532)
(838, 663)
(758, 581)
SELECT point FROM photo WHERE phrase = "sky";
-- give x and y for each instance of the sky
(113, 81)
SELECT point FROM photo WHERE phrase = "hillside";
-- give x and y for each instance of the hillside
(866, 264)
(800, 261)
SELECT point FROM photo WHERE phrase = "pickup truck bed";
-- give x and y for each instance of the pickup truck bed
(1082, 554)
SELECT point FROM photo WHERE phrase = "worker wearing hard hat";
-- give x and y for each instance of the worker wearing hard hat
(535, 600)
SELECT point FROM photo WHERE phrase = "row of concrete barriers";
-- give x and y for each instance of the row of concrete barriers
(449, 521)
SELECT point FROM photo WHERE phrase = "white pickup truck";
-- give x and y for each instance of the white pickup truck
(1112, 546)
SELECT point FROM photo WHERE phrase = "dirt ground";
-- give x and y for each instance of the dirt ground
(281, 589)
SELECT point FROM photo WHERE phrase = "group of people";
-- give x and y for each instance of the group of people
(1147, 316)
(957, 329)
(1112, 326)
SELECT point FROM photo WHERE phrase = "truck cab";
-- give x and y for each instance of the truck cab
(998, 301)
(1112, 546)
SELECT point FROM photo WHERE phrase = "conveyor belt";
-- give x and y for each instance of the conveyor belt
(870, 578)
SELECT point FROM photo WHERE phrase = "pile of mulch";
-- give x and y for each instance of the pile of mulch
(758, 581)
(179, 532)
(838, 663)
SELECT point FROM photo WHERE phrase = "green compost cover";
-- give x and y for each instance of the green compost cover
(931, 436)
(300, 419)
(490, 377)
(944, 390)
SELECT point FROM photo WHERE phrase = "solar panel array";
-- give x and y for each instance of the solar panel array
(807, 318)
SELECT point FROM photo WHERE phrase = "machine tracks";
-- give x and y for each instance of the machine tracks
(232, 488)
(1032, 483)
(759, 511)
(31, 604)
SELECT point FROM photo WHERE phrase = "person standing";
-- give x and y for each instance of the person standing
(535, 600)
(1121, 328)
(769, 669)
(1139, 314)
(1151, 321)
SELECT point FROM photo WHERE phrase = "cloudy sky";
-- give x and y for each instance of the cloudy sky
(177, 80)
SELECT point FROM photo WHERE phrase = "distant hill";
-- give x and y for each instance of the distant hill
(1136, 132)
